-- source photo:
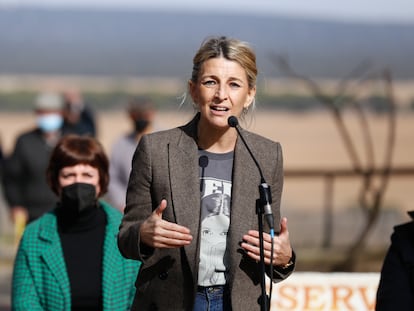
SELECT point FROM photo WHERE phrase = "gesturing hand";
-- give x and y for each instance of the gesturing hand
(282, 250)
(159, 233)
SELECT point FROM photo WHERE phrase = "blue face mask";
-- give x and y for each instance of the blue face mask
(49, 122)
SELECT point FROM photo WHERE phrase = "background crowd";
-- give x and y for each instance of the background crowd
(58, 174)
(58, 114)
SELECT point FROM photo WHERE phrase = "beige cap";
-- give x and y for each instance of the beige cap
(49, 101)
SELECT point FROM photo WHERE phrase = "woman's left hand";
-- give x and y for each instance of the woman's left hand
(282, 250)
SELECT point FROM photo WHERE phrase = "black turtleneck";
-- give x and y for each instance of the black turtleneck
(82, 243)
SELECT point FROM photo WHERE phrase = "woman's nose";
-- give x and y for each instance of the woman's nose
(221, 93)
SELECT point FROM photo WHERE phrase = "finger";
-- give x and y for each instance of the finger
(171, 235)
(161, 233)
(160, 209)
(283, 226)
(166, 242)
(255, 234)
(174, 228)
(253, 240)
(254, 252)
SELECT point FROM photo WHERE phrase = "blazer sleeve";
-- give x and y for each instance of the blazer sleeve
(279, 273)
(277, 187)
(138, 204)
(24, 294)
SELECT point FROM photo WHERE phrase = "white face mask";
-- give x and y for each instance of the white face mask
(49, 122)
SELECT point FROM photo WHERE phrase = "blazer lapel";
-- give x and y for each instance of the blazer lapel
(185, 188)
(53, 256)
(111, 268)
(246, 180)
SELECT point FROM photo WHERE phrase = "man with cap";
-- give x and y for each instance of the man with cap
(141, 112)
(24, 178)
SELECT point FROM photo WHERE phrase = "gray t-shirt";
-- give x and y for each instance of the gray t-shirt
(215, 188)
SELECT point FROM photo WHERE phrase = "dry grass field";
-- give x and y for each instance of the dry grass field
(309, 141)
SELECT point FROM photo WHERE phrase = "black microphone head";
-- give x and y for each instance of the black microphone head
(232, 121)
(203, 161)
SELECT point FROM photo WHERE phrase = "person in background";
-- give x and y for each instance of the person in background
(190, 214)
(141, 112)
(25, 187)
(396, 286)
(78, 117)
(1, 159)
(68, 259)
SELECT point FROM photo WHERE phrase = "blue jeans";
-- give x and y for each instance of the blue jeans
(214, 298)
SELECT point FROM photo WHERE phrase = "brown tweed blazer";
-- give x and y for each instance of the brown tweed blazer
(165, 165)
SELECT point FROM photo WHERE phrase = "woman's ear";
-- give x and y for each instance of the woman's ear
(192, 91)
(250, 97)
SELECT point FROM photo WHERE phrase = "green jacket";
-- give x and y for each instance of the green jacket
(40, 280)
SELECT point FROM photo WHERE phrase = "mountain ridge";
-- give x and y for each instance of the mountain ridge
(150, 43)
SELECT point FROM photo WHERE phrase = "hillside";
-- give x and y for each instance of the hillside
(149, 43)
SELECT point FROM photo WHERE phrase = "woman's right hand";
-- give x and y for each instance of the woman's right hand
(158, 233)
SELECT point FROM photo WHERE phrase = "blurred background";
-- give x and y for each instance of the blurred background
(335, 87)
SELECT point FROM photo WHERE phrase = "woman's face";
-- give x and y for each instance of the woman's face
(80, 173)
(222, 90)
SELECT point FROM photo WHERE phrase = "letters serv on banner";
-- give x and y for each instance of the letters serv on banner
(309, 291)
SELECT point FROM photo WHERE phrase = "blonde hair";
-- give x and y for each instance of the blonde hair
(230, 49)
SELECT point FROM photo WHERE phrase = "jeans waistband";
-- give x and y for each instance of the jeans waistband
(210, 289)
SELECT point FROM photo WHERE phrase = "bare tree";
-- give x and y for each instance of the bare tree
(374, 176)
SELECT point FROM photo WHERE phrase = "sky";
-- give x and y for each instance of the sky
(345, 10)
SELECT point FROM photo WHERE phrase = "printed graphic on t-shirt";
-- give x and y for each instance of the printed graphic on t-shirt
(215, 220)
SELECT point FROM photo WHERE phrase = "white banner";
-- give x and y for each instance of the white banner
(309, 291)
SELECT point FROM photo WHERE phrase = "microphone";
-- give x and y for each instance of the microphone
(203, 163)
(233, 122)
(264, 188)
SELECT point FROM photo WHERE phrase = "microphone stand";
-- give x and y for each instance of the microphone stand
(263, 298)
(263, 209)
(260, 211)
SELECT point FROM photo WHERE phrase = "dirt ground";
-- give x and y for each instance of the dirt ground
(308, 139)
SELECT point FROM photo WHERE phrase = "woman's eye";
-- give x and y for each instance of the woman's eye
(209, 83)
(234, 85)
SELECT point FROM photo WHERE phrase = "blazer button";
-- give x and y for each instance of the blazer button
(163, 275)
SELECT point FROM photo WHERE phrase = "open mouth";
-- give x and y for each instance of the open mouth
(219, 108)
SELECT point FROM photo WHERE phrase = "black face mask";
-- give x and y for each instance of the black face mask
(140, 125)
(76, 198)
